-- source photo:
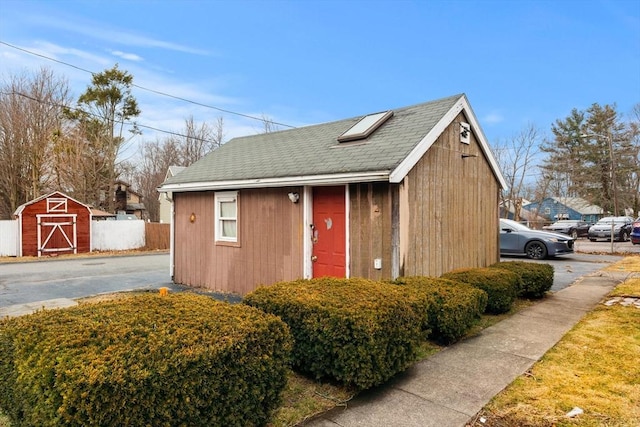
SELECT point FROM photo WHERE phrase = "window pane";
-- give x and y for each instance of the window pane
(228, 228)
(228, 209)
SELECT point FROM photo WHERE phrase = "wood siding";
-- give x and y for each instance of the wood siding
(30, 226)
(370, 225)
(270, 234)
(449, 209)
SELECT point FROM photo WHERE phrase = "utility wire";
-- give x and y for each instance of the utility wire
(133, 124)
(157, 92)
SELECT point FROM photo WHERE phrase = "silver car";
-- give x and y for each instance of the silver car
(518, 239)
(621, 225)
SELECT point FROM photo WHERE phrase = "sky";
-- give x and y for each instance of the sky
(304, 62)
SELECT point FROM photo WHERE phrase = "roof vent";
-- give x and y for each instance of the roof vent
(365, 126)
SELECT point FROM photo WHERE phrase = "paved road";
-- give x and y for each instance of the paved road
(27, 282)
(569, 268)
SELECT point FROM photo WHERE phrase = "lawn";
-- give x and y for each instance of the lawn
(594, 367)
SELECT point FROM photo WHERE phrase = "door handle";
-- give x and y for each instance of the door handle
(314, 258)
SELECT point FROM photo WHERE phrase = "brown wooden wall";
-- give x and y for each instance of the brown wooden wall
(449, 209)
(370, 227)
(270, 232)
(30, 226)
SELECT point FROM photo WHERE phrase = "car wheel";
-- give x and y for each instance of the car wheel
(574, 234)
(592, 240)
(536, 250)
(624, 235)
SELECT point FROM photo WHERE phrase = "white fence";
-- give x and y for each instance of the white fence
(8, 238)
(105, 236)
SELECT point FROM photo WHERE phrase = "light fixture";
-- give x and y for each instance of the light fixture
(294, 197)
(192, 217)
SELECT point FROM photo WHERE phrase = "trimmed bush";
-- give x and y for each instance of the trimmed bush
(536, 278)
(452, 308)
(146, 360)
(501, 286)
(355, 331)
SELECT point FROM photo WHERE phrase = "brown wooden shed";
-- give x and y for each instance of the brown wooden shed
(53, 224)
(410, 191)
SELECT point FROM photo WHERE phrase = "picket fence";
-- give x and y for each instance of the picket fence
(105, 236)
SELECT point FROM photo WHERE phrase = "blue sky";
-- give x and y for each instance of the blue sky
(305, 62)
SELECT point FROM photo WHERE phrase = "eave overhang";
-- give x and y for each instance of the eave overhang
(293, 181)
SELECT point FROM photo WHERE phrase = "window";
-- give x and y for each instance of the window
(365, 126)
(226, 227)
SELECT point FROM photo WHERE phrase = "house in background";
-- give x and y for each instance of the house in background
(558, 208)
(128, 202)
(411, 191)
(163, 201)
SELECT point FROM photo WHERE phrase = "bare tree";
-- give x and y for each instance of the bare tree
(30, 116)
(196, 141)
(516, 159)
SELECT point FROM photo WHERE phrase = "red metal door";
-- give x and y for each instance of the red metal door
(329, 232)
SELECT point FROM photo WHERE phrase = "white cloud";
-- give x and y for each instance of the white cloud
(114, 35)
(127, 56)
(493, 118)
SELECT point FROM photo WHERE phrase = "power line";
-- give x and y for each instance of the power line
(134, 124)
(157, 92)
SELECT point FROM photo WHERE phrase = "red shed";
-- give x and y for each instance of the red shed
(54, 224)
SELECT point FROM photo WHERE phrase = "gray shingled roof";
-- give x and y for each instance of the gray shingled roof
(314, 150)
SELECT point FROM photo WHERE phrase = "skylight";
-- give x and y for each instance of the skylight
(365, 126)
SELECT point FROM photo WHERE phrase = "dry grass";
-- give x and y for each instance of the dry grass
(141, 251)
(630, 264)
(594, 367)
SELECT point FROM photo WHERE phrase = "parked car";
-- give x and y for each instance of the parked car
(635, 232)
(570, 227)
(518, 239)
(602, 229)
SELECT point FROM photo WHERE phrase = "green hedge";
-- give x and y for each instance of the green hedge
(355, 331)
(501, 286)
(452, 308)
(536, 278)
(146, 360)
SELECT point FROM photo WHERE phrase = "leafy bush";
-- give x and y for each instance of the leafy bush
(452, 308)
(355, 331)
(146, 360)
(501, 286)
(536, 278)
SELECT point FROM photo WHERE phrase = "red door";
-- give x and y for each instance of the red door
(329, 235)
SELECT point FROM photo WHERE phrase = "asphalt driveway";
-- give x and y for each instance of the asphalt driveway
(27, 282)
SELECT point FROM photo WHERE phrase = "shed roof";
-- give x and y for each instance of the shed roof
(579, 204)
(45, 196)
(313, 155)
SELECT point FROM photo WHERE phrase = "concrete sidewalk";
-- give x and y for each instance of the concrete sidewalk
(450, 387)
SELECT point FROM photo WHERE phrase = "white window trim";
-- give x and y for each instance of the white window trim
(225, 196)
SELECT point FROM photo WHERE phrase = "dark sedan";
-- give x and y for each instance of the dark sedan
(518, 239)
(635, 232)
(621, 226)
(569, 227)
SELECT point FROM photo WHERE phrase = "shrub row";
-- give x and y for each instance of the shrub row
(356, 331)
(500, 285)
(536, 279)
(164, 361)
(451, 308)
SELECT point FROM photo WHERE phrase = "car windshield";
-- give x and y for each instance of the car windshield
(507, 223)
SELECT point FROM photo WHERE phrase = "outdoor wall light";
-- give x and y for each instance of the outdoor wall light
(294, 197)
(192, 217)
